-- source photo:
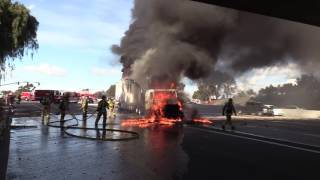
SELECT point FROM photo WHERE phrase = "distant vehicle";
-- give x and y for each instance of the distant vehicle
(92, 97)
(54, 94)
(253, 108)
(74, 97)
(196, 101)
(268, 110)
(278, 111)
(27, 96)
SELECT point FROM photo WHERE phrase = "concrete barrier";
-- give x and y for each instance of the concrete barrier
(298, 113)
(4, 141)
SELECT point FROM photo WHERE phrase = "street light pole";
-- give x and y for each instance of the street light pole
(18, 83)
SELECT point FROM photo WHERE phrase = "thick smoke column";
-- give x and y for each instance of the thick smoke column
(169, 39)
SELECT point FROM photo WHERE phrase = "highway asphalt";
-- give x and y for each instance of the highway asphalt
(253, 151)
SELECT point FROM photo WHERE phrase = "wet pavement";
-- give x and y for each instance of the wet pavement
(162, 151)
(48, 153)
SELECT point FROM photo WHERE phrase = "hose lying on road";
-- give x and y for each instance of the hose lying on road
(132, 134)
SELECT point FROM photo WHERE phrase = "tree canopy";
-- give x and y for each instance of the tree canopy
(25, 88)
(111, 92)
(18, 32)
(305, 93)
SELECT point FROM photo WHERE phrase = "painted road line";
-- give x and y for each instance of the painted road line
(307, 146)
(255, 138)
(313, 135)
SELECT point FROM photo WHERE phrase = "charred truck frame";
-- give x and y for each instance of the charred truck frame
(158, 103)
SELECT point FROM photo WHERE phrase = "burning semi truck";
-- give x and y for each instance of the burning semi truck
(155, 103)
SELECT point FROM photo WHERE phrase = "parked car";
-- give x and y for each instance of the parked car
(268, 110)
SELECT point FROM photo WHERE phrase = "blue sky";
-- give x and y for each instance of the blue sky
(75, 38)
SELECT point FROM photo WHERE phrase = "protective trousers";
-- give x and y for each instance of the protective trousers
(45, 114)
(104, 114)
(84, 113)
(228, 120)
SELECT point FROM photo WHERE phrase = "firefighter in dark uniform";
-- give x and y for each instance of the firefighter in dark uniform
(63, 107)
(102, 110)
(19, 99)
(228, 110)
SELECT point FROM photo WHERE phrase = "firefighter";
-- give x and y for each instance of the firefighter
(11, 99)
(46, 102)
(102, 110)
(19, 99)
(228, 110)
(111, 103)
(84, 106)
(63, 107)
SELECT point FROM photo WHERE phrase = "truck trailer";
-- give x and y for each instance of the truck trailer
(129, 96)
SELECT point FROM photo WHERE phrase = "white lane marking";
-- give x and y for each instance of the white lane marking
(313, 135)
(264, 141)
(276, 139)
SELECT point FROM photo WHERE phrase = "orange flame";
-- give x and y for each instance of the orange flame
(202, 121)
(146, 122)
(157, 111)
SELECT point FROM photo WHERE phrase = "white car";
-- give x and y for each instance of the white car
(268, 110)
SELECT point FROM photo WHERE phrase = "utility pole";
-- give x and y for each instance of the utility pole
(18, 83)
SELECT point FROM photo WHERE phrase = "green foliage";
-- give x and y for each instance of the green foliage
(25, 88)
(99, 94)
(200, 95)
(111, 92)
(305, 94)
(18, 32)
(206, 90)
(248, 93)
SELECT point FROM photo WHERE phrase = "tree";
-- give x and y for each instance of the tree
(26, 88)
(202, 94)
(18, 32)
(251, 93)
(99, 94)
(111, 92)
(305, 93)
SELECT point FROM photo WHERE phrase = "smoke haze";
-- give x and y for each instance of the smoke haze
(171, 39)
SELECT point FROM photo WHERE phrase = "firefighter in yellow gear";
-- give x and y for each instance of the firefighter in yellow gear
(46, 102)
(84, 107)
(111, 103)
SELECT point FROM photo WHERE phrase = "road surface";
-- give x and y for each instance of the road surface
(253, 151)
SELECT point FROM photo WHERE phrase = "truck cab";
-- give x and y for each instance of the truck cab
(164, 103)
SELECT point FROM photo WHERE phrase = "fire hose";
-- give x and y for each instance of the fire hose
(133, 135)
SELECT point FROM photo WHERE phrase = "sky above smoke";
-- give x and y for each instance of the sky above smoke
(172, 39)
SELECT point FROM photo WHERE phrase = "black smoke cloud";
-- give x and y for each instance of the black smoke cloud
(171, 39)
